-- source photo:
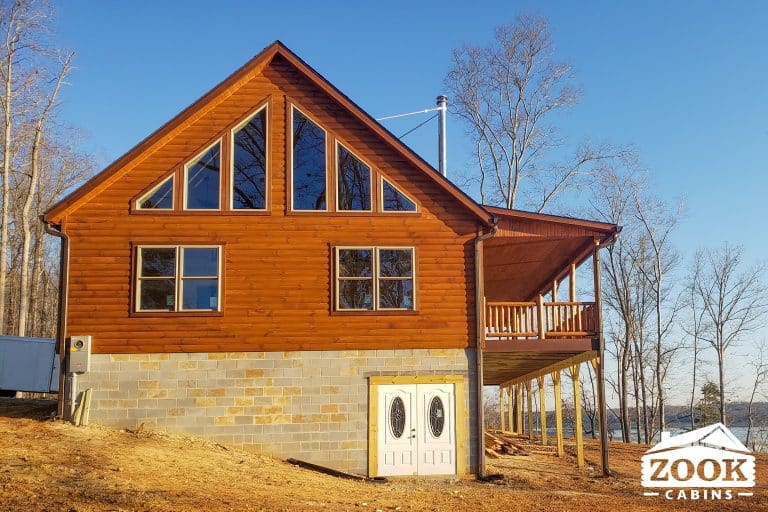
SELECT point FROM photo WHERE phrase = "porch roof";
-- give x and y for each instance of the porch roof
(531, 250)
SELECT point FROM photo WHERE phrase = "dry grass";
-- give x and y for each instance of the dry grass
(48, 465)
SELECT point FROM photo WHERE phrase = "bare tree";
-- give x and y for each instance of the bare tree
(48, 103)
(759, 366)
(658, 222)
(694, 329)
(734, 301)
(13, 17)
(507, 92)
(589, 399)
(40, 159)
(612, 191)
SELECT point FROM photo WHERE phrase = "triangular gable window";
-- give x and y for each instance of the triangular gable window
(202, 180)
(159, 198)
(354, 181)
(308, 164)
(394, 200)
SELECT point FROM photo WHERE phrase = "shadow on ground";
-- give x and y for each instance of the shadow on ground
(41, 410)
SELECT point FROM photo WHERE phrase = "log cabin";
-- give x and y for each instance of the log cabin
(272, 268)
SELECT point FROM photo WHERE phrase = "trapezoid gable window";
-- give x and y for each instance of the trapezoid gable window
(159, 198)
(178, 278)
(202, 180)
(353, 181)
(308, 163)
(375, 278)
(394, 200)
(249, 163)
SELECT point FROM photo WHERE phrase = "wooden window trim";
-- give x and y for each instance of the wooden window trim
(371, 178)
(292, 105)
(376, 310)
(135, 248)
(227, 162)
(135, 204)
(392, 184)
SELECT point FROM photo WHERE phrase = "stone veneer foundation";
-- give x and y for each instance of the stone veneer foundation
(311, 405)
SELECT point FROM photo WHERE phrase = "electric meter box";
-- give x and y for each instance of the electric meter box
(79, 354)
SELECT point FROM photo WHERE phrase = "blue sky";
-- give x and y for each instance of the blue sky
(687, 86)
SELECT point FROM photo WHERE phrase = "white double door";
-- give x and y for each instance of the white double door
(416, 429)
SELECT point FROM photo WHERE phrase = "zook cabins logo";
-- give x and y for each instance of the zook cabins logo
(705, 464)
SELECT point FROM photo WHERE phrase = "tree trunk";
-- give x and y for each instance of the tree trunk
(659, 351)
(721, 374)
(637, 402)
(10, 42)
(693, 377)
(26, 228)
(37, 272)
(643, 393)
(623, 398)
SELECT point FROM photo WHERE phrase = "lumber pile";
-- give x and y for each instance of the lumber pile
(498, 444)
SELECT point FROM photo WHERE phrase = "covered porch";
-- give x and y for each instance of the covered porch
(538, 319)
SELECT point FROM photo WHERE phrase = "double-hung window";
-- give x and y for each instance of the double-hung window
(178, 278)
(375, 278)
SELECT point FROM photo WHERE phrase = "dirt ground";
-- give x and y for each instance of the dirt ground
(49, 465)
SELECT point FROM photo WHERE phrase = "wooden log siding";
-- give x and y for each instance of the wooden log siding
(521, 320)
(278, 284)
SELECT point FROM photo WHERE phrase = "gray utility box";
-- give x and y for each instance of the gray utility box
(79, 354)
(28, 364)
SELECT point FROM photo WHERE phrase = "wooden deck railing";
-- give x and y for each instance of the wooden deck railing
(527, 320)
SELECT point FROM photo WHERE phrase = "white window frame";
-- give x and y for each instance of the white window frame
(137, 204)
(382, 179)
(193, 161)
(339, 144)
(178, 278)
(232, 132)
(290, 148)
(375, 276)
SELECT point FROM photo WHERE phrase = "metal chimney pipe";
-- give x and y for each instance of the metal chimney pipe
(442, 116)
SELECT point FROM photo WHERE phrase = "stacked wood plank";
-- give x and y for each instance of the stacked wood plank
(497, 443)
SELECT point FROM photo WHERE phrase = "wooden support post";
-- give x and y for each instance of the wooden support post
(555, 310)
(501, 409)
(510, 411)
(579, 433)
(558, 413)
(542, 410)
(529, 393)
(600, 370)
(573, 283)
(542, 318)
(519, 411)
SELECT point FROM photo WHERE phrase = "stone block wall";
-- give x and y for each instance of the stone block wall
(311, 405)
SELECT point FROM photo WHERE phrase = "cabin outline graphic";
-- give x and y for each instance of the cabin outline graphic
(711, 443)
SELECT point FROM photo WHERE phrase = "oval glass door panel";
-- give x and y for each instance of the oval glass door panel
(436, 416)
(397, 417)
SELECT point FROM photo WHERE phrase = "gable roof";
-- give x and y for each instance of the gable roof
(713, 436)
(112, 172)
